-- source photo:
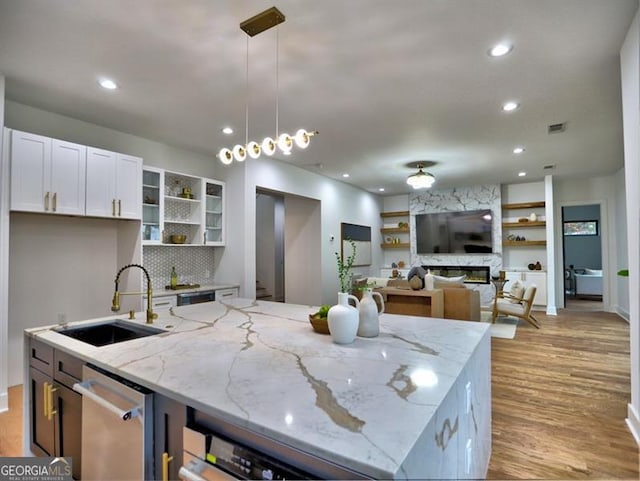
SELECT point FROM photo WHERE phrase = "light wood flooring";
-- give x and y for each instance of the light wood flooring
(559, 398)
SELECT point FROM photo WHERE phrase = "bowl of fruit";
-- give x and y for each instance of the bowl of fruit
(318, 320)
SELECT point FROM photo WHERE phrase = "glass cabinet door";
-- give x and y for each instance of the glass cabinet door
(214, 212)
(152, 201)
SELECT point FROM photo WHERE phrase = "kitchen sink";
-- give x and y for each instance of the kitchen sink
(110, 332)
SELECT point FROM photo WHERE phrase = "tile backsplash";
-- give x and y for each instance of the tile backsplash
(193, 264)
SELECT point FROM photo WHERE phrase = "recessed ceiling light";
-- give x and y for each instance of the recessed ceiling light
(346, 176)
(521, 174)
(227, 130)
(500, 49)
(108, 84)
(518, 150)
(381, 189)
(510, 106)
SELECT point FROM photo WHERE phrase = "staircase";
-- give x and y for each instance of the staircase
(262, 293)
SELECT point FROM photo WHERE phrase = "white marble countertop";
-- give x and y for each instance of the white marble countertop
(260, 365)
(162, 292)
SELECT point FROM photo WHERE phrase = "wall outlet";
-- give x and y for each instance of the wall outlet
(62, 318)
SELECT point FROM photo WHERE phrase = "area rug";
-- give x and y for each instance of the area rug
(504, 327)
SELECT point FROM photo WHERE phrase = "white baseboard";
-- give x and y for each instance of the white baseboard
(633, 422)
(4, 402)
(623, 313)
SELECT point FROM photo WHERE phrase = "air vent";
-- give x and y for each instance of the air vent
(549, 167)
(557, 128)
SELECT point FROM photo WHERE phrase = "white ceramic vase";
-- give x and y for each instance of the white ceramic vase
(369, 325)
(343, 319)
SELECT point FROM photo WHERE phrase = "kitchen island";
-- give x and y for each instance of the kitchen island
(414, 402)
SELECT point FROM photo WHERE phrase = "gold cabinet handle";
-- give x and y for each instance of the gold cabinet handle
(166, 459)
(45, 398)
(113, 207)
(55, 201)
(119, 208)
(52, 411)
(46, 201)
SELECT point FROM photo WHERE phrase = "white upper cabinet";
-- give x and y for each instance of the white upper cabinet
(114, 185)
(47, 175)
(214, 218)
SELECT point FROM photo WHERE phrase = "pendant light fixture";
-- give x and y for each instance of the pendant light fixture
(421, 179)
(285, 142)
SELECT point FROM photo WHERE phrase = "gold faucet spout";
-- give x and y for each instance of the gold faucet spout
(115, 304)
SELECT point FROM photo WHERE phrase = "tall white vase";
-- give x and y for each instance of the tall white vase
(369, 325)
(343, 319)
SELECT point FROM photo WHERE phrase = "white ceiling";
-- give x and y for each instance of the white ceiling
(384, 82)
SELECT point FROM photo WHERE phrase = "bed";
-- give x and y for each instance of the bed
(589, 283)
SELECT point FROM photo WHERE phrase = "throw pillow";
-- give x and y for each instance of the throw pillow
(517, 291)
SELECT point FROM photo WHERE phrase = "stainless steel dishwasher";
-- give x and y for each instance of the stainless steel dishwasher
(117, 427)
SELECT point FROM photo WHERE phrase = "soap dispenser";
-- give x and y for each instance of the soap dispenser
(174, 278)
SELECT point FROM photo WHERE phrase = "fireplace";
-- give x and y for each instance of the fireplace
(475, 274)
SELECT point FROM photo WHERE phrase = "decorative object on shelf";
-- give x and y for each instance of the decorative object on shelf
(178, 239)
(344, 319)
(395, 273)
(533, 217)
(523, 220)
(369, 322)
(403, 225)
(253, 26)
(511, 237)
(421, 179)
(531, 266)
(401, 264)
(538, 266)
(394, 265)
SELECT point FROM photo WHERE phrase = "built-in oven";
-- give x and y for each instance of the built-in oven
(196, 297)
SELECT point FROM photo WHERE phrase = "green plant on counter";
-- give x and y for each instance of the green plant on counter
(344, 267)
(623, 272)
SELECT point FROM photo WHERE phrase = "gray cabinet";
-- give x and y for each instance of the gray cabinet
(55, 409)
(169, 418)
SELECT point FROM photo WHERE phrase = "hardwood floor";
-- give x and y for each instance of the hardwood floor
(559, 398)
(11, 425)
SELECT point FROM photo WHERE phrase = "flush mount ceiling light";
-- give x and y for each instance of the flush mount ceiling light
(522, 174)
(500, 50)
(283, 141)
(227, 130)
(421, 179)
(518, 150)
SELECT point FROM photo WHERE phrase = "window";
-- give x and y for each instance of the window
(581, 227)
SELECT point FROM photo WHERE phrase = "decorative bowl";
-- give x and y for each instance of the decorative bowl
(178, 239)
(319, 324)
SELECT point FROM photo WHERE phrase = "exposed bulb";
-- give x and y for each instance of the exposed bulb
(285, 143)
(302, 138)
(253, 149)
(269, 146)
(239, 153)
(225, 156)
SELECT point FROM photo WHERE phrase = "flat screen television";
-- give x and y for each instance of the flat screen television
(466, 232)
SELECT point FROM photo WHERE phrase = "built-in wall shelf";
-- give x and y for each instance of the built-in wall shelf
(524, 205)
(524, 243)
(395, 245)
(395, 230)
(400, 213)
(538, 223)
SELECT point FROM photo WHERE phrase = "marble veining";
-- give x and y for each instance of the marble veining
(460, 199)
(446, 433)
(260, 365)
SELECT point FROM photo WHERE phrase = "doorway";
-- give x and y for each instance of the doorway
(269, 246)
(288, 248)
(582, 254)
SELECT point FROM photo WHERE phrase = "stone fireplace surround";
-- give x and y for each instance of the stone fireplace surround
(461, 199)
